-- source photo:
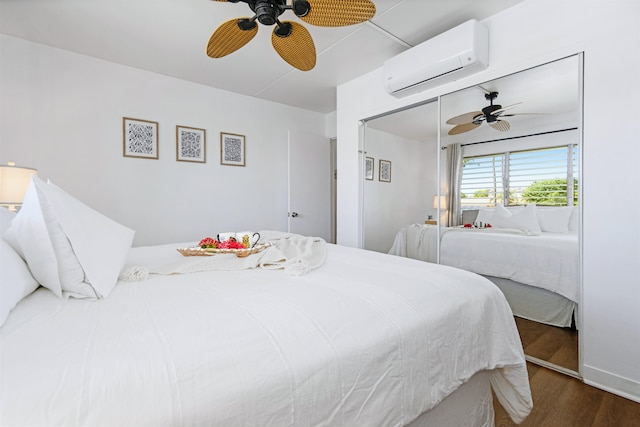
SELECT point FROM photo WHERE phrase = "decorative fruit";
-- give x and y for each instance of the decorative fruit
(230, 244)
(208, 242)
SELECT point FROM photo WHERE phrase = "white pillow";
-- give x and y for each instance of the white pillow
(514, 209)
(484, 215)
(6, 216)
(524, 219)
(16, 282)
(554, 220)
(29, 237)
(79, 252)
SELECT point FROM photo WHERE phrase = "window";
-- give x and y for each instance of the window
(520, 178)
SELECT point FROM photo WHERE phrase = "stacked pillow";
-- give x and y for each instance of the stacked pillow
(16, 281)
(70, 248)
(524, 220)
(556, 219)
(531, 219)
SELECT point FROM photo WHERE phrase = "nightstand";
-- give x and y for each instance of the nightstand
(431, 222)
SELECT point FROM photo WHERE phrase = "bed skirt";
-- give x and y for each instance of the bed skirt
(471, 405)
(538, 304)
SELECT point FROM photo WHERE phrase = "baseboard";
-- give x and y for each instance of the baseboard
(621, 386)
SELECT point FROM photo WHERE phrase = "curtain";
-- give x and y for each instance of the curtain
(454, 177)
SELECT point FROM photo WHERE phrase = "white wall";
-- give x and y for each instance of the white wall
(62, 113)
(527, 34)
(390, 205)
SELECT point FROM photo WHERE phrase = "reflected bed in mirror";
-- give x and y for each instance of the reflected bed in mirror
(523, 148)
(510, 148)
(537, 271)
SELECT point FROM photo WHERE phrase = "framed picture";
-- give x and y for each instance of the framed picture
(139, 138)
(368, 168)
(232, 149)
(191, 144)
(384, 171)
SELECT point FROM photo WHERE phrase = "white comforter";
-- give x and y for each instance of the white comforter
(366, 339)
(549, 260)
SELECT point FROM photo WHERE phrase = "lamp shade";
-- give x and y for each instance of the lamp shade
(14, 181)
(443, 202)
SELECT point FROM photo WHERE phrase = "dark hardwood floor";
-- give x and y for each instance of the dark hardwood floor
(552, 344)
(562, 401)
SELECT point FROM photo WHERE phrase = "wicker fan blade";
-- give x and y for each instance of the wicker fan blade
(524, 114)
(229, 37)
(501, 125)
(297, 48)
(339, 13)
(508, 107)
(464, 118)
(463, 128)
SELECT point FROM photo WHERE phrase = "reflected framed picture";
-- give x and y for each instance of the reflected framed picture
(232, 149)
(384, 170)
(368, 168)
(191, 144)
(139, 138)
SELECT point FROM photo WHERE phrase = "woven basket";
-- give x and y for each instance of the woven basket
(240, 253)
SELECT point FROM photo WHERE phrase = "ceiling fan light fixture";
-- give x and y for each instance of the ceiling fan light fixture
(301, 8)
(283, 29)
(492, 114)
(291, 40)
(478, 119)
(246, 24)
(488, 112)
(267, 11)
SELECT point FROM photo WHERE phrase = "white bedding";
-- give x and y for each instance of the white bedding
(366, 339)
(548, 260)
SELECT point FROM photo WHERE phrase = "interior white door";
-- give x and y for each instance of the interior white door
(309, 185)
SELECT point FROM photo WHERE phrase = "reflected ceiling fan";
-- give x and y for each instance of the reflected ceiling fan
(492, 114)
(291, 40)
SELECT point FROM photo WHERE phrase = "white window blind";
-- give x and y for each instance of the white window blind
(521, 177)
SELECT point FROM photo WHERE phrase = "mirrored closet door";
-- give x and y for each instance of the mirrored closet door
(509, 192)
(400, 154)
(511, 169)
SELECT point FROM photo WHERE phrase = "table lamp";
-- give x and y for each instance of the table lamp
(14, 181)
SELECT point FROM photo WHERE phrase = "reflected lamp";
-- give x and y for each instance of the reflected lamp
(443, 202)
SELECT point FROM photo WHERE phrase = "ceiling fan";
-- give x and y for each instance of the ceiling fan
(291, 40)
(492, 114)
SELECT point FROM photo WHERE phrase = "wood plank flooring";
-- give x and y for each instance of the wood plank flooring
(549, 343)
(562, 401)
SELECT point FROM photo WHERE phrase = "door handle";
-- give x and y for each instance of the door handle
(293, 214)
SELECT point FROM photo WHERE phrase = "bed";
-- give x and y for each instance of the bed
(536, 265)
(303, 333)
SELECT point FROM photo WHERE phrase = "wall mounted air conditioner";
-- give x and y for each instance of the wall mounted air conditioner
(454, 54)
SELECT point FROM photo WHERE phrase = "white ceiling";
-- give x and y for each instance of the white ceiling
(170, 36)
